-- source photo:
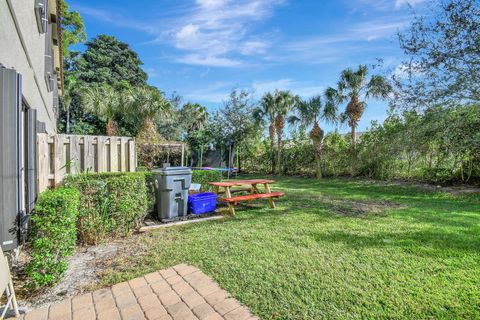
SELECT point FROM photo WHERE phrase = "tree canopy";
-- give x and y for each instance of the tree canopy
(442, 49)
(108, 60)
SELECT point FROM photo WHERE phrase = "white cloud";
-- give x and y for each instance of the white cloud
(116, 19)
(254, 47)
(401, 3)
(210, 3)
(303, 89)
(208, 60)
(216, 30)
(220, 91)
(383, 5)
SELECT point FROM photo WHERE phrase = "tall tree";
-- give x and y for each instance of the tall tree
(143, 105)
(105, 102)
(233, 125)
(442, 49)
(108, 60)
(285, 102)
(309, 113)
(73, 32)
(194, 119)
(354, 88)
(267, 112)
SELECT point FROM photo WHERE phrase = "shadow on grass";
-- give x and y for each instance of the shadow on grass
(430, 242)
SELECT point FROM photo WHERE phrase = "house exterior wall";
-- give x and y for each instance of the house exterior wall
(22, 47)
(30, 83)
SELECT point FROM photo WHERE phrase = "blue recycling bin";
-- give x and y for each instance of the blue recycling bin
(202, 203)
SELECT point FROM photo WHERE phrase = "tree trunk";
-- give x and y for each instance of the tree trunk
(354, 136)
(318, 159)
(279, 155)
(279, 124)
(271, 131)
(317, 135)
(111, 127)
(67, 127)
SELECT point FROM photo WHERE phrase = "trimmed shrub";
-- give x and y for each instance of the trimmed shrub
(112, 204)
(205, 176)
(53, 235)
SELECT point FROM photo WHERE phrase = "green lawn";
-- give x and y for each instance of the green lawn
(333, 249)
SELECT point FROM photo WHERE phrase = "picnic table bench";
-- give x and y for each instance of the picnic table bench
(254, 191)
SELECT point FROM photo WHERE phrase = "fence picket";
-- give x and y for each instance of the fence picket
(57, 153)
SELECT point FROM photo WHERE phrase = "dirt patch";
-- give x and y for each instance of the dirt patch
(362, 208)
(346, 207)
(459, 189)
(84, 269)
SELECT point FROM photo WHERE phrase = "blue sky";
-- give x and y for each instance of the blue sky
(201, 49)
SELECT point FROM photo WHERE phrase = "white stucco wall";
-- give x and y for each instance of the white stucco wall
(29, 61)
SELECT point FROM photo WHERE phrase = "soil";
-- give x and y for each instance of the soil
(84, 269)
(458, 189)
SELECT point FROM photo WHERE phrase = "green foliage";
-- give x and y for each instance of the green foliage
(53, 235)
(108, 60)
(440, 145)
(73, 32)
(205, 176)
(112, 204)
(442, 62)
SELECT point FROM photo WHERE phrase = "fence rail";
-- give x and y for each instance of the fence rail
(59, 155)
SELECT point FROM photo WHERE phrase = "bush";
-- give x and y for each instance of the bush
(205, 176)
(112, 204)
(53, 235)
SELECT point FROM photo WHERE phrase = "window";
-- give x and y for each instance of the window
(41, 12)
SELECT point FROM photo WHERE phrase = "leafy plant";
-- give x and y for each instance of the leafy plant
(53, 235)
(205, 176)
(112, 204)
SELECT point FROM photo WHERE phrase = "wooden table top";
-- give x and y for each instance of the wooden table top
(240, 182)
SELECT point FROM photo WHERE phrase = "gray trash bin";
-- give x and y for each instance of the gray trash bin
(171, 189)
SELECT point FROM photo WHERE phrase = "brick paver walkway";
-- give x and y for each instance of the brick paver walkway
(180, 293)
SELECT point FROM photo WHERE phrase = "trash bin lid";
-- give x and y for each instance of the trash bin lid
(170, 171)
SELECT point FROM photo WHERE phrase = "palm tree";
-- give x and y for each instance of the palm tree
(354, 88)
(284, 103)
(105, 102)
(70, 88)
(267, 112)
(144, 105)
(194, 117)
(309, 113)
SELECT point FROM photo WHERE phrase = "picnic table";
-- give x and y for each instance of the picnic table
(251, 188)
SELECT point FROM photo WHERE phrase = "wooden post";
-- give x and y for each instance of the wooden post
(113, 154)
(132, 161)
(123, 154)
(74, 154)
(89, 154)
(59, 169)
(183, 154)
(101, 154)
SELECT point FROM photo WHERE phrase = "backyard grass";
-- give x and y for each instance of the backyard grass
(333, 249)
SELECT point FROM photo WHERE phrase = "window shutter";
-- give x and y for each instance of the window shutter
(41, 13)
(11, 149)
(31, 156)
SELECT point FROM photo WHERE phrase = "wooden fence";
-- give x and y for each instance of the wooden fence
(59, 155)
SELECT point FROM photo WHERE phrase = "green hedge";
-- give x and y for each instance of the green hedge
(111, 204)
(205, 176)
(53, 235)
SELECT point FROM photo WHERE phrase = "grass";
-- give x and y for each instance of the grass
(333, 249)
